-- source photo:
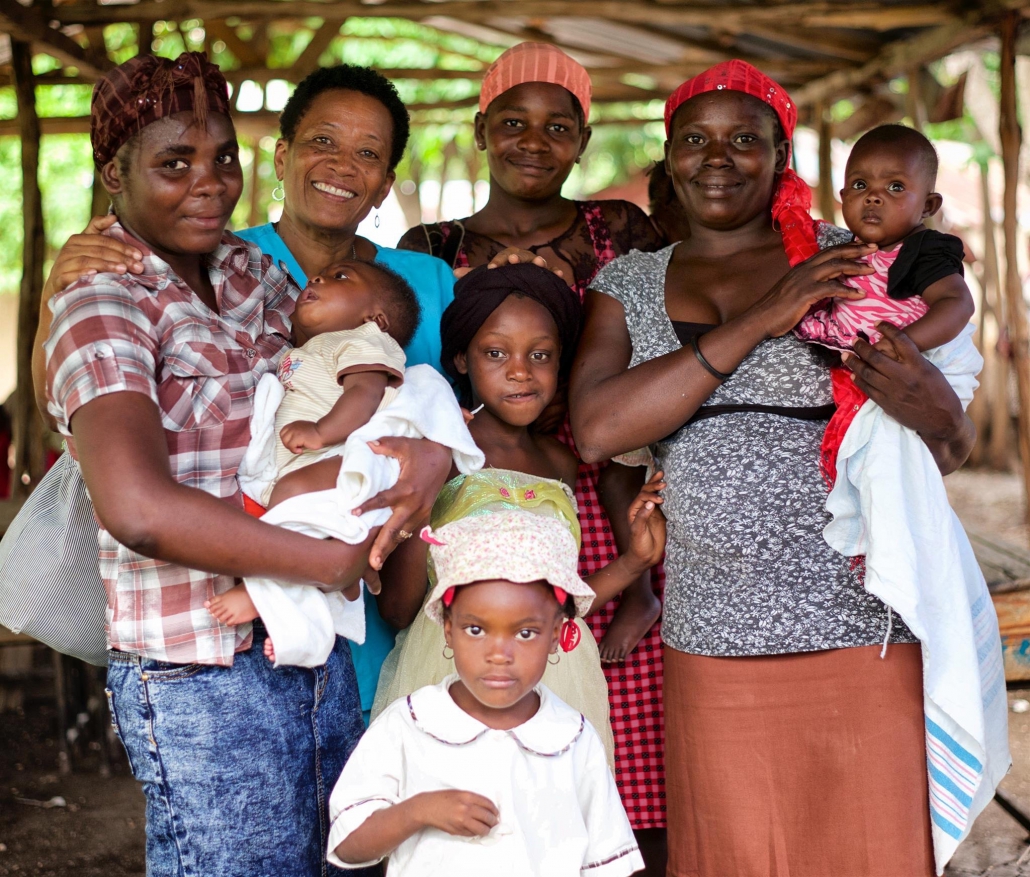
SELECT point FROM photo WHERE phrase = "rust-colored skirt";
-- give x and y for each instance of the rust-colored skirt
(806, 765)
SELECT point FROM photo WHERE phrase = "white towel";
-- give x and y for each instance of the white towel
(302, 621)
(889, 503)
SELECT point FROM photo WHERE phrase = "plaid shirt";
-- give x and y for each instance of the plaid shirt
(150, 334)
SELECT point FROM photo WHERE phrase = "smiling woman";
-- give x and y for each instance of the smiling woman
(343, 131)
(151, 377)
(779, 683)
(181, 214)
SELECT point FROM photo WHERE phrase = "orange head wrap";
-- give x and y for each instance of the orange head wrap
(535, 62)
(792, 199)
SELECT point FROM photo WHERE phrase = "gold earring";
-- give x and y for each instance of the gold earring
(447, 657)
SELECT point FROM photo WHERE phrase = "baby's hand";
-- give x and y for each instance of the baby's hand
(301, 435)
(464, 814)
(647, 524)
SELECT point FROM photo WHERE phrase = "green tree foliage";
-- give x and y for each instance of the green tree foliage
(439, 137)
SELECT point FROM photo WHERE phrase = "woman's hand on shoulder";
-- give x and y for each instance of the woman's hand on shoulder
(90, 253)
(811, 281)
(425, 466)
(511, 256)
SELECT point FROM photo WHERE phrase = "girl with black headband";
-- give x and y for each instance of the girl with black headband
(508, 338)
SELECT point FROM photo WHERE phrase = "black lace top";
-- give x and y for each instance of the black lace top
(601, 231)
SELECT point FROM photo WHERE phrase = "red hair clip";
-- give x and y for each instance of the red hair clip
(570, 634)
(426, 535)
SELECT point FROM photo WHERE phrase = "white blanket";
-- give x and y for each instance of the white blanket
(889, 503)
(302, 621)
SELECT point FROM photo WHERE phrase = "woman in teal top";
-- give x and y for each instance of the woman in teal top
(343, 131)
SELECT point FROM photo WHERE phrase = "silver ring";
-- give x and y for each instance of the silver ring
(403, 534)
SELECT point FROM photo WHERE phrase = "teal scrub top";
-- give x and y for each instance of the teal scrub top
(433, 283)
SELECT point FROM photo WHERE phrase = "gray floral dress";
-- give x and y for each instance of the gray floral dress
(748, 571)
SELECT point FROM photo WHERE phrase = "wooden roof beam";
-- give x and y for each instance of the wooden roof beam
(864, 15)
(307, 61)
(811, 40)
(30, 25)
(247, 54)
(267, 121)
(898, 57)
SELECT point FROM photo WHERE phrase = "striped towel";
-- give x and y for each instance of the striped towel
(889, 503)
(50, 585)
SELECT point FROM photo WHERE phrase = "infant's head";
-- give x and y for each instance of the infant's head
(888, 185)
(348, 294)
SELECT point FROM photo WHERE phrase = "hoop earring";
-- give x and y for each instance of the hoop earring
(377, 220)
(447, 657)
(554, 663)
(279, 193)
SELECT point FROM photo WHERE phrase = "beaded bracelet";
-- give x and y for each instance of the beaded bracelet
(711, 369)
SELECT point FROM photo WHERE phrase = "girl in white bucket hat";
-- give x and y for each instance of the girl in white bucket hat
(489, 772)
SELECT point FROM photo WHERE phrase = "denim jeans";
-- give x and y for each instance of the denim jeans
(237, 764)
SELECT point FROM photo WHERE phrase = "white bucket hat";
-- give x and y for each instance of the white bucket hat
(514, 546)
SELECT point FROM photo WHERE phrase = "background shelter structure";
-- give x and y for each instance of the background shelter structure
(637, 51)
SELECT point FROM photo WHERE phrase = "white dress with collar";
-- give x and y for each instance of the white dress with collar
(560, 813)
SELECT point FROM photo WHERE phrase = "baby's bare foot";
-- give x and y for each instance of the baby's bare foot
(636, 615)
(269, 650)
(233, 607)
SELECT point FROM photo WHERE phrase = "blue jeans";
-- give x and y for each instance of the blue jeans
(237, 764)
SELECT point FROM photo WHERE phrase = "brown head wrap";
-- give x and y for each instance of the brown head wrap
(480, 292)
(147, 88)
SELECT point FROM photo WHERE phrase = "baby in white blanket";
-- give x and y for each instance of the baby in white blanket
(350, 324)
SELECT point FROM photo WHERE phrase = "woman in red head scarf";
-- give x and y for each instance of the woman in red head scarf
(791, 746)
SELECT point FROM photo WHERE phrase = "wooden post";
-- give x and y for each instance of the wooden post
(408, 192)
(1008, 128)
(827, 202)
(915, 107)
(145, 37)
(255, 215)
(996, 382)
(28, 427)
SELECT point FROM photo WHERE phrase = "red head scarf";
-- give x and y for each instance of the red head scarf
(147, 88)
(792, 199)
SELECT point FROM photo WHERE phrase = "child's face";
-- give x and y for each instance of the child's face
(341, 297)
(501, 634)
(887, 193)
(178, 183)
(532, 138)
(512, 362)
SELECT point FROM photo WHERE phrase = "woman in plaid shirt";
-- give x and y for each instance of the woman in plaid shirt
(151, 377)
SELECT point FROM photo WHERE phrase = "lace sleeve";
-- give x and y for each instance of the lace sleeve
(630, 228)
(414, 239)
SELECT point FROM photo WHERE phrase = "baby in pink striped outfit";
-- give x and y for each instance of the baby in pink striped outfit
(918, 285)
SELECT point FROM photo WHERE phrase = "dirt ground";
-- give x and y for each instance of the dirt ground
(97, 830)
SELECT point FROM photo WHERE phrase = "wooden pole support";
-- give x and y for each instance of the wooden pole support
(827, 202)
(1016, 319)
(28, 427)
